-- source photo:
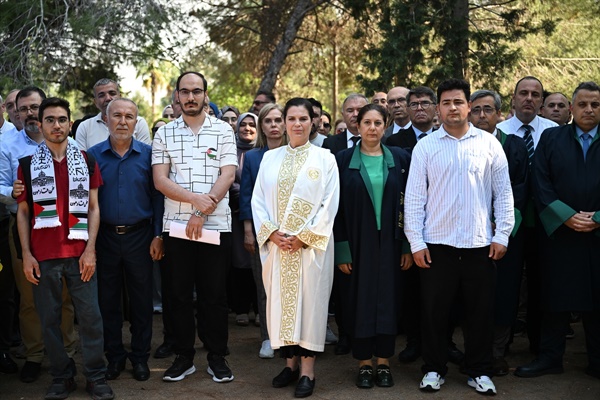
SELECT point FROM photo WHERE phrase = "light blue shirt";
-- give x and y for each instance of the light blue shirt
(592, 132)
(13, 146)
(455, 189)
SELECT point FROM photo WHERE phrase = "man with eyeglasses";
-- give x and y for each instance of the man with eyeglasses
(14, 147)
(195, 179)
(262, 97)
(397, 108)
(485, 111)
(94, 130)
(421, 110)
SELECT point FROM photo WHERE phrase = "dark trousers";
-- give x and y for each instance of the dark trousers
(206, 266)
(7, 290)
(534, 286)
(380, 346)
(243, 293)
(125, 258)
(553, 341)
(469, 274)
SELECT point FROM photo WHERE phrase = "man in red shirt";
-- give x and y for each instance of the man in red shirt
(58, 218)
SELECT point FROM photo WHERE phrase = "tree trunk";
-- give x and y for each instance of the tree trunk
(282, 49)
(461, 27)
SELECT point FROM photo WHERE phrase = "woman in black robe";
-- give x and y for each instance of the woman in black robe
(370, 244)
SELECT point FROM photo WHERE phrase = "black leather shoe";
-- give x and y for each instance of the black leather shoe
(364, 380)
(165, 350)
(99, 390)
(455, 356)
(114, 369)
(305, 387)
(384, 376)
(60, 389)
(538, 368)
(411, 353)
(500, 366)
(343, 346)
(141, 372)
(30, 371)
(593, 372)
(285, 377)
(7, 364)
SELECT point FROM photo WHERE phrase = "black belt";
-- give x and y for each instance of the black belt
(123, 229)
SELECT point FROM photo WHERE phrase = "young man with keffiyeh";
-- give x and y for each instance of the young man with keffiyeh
(58, 218)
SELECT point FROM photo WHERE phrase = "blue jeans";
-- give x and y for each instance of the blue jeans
(48, 302)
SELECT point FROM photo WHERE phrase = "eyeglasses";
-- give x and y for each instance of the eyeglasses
(393, 102)
(424, 105)
(195, 92)
(33, 108)
(60, 120)
(326, 125)
(487, 110)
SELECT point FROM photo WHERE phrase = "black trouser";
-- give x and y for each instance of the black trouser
(454, 272)
(534, 288)
(206, 266)
(380, 346)
(125, 258)
(554, 329)
(7, 290)
(243, 291)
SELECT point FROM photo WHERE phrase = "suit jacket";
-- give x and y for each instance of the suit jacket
(389, 131)
(336, 143)
(405, 138)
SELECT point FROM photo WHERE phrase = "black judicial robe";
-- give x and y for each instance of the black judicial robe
(564, 184)
(508, 278)
(371, 292)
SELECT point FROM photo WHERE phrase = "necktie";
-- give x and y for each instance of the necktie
(585, 143)
(355, 140)
(528, 142)
(421, 136)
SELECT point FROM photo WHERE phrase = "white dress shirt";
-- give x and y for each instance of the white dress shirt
(398, 127)
(94, 130)
(513, 126)
(455, 189)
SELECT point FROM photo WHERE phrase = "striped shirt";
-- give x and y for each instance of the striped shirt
(195, 161)
(455, 189)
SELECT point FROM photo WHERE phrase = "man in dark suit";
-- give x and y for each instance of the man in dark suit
(398, 110)
(350, 108)
(421, 103)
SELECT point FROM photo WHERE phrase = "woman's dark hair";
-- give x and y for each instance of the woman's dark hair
(371, 107)
(299, 102)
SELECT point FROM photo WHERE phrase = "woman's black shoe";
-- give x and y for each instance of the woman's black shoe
(286, 377)
(364, 380)
(305, 387)
(384, 376)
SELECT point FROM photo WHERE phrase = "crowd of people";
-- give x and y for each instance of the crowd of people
(418, 211)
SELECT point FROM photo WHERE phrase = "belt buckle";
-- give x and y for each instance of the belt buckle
(121, 229)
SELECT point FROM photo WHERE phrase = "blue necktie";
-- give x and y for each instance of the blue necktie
(528, 142)
(421, 136)
(585, 143)
(355, 140)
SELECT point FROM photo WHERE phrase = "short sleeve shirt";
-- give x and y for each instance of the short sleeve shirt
(195, 162)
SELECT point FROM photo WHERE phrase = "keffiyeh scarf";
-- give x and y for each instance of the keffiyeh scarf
(43, 188)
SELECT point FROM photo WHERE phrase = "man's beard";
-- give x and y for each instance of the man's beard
(31, 127)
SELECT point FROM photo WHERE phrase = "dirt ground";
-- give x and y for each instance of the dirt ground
(335, 376)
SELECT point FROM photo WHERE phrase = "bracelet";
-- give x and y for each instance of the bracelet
(159, 237)
(199, 214)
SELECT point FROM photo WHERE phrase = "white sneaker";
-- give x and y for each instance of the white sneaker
(432, 381)
(330, 337)
(483, 384)
(265, 350)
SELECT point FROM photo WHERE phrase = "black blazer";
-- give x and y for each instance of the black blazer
(405, 138)
(336, 143)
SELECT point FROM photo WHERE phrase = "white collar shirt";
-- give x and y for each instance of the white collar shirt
(513, 126)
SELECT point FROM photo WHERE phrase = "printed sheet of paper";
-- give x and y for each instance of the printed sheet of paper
(177, 229)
